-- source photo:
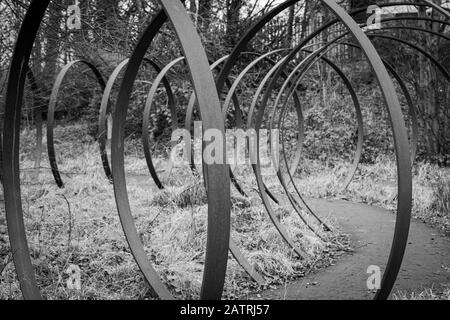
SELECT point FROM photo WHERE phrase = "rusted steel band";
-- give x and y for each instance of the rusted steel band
(217, 175)
(401, 149)
(251, 32)
(299, 70)
(243, 262)
(443, 36)
(237, 254)
(288, 81)
(240, 77)
(117, 157)
(38, 118)
(161, 77)
(243, 73)
(234, 249)
(102, 118)
(188, 123)
(11, 136)
(104, 106)
(411, 107)
(52, 109)
(254, 102)
(404, 168)
(439, 65)
(232, 94)
(193, 99)
(358, 112)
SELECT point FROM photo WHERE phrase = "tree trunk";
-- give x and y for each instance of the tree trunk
(306, 19)
(233, 20)
(204, 14)
(322, 65)
(426, 91)
(193, 10)
(52, 47)
(290, 27)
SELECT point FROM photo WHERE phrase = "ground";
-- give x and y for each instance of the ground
(78, 225)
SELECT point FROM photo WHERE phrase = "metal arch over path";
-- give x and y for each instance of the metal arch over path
(207, 89)
(52, 109)
(13, 106)
(102, 122)
(399, 130)
(217, 179)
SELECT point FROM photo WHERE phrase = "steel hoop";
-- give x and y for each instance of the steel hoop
(102, 138)
(217, 175)
(235, 251)
(51, 114)
(11, 136)
(404, 167)
(409, 101)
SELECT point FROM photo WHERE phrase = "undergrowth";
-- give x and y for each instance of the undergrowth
(376, 184)
(79, 226)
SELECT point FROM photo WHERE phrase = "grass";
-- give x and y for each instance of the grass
(377, 185)
(79, 225)
(426, 294)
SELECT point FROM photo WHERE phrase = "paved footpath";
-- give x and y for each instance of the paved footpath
(426, 262)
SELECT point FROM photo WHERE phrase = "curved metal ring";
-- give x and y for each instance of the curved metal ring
(400, 137)
(161, 77)
(11, 136)
(102, 123)
(228, 99)
(51, 115)
(237, 254)
(357, 107)
(188, 123)
(218, 193)
(294, 203)
(216, 176)
(232, 94)
(409, 101)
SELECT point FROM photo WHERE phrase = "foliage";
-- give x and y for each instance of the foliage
(79, 225)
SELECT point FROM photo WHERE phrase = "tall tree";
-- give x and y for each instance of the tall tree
(52, 40)
(290, 26)
(427, 87)
(233, 8)
(204, 14)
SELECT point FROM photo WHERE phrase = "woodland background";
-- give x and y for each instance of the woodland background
(79, 225)
(110, 28)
